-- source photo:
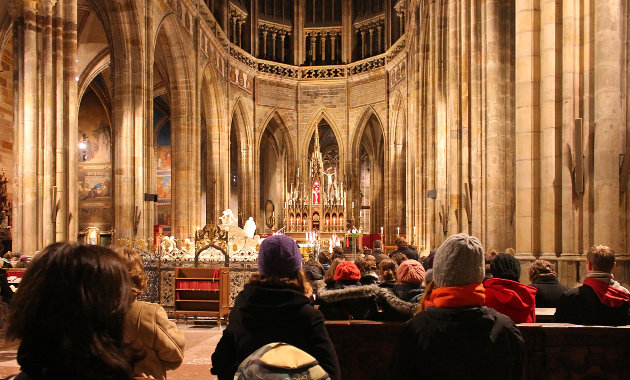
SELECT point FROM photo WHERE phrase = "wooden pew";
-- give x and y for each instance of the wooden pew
(554, 350)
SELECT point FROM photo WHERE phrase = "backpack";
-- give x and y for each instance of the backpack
(280, 361)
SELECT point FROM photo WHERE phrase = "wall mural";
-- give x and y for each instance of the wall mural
(163, 176)
(94, 165)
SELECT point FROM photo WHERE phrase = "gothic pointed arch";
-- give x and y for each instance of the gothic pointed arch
(171, 51)
(322, 115)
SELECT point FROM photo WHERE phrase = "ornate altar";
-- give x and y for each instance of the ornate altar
(318, 202)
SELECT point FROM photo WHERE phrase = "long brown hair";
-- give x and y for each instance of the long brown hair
(136, 269)
(69, 313)
(298, 282)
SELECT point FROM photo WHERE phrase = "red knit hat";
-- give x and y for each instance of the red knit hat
(410, 271)
(346, 271)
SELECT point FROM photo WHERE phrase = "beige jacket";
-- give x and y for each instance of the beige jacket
(147, 328)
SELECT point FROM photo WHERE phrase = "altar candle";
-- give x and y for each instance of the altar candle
(381, 230)
(352, 204)
(397, 230)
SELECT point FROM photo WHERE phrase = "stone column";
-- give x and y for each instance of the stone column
(72, 111)
(527, 107)
(608, 125)
(363, 45)
(273, 45)
(27, 97)
(233, 26)
(496, 196)
(322, 38)
(333, 46)
(48, 95)
(313, 45)
(282, 37)
(240, 33)
(379, 39)
(401, 23)
(372, 41)
(264, 53)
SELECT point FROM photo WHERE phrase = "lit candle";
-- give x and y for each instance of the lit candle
(397, 230)
(352, 204)
(381, 230)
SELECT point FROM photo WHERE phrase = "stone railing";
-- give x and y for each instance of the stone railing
(216, 43)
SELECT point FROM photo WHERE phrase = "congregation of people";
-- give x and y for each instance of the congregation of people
(77, 313)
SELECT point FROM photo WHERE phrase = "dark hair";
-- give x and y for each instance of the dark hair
(506, 266)
(323, 258)
(136, 269)
(387, 269)
(69, 313)
(377, 244)
(400, 242)
(601, 257)
(329, 278)
(541, 268)
(399, 258)
(297, 282)
(338, 253)
(361, 263)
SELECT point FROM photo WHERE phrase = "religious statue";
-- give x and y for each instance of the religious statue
(228, 218)
(270, 214)
(250, 228)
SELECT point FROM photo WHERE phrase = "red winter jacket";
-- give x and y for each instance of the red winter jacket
(516, 300)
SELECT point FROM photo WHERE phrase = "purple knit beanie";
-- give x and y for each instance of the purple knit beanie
(280, 256)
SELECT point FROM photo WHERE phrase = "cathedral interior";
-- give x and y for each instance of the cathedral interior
(506, 120)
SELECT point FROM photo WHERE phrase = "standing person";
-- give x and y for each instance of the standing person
(505, 294)
(600, 300)
(455, 336)
(274, 307)
(147, 327)
(69, 315)
(403, 247)
(378, 253)
(543, 277)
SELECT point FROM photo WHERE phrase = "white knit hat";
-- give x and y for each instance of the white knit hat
(459, 261)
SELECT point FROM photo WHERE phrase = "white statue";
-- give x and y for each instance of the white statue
(250, 227)
(228, 218)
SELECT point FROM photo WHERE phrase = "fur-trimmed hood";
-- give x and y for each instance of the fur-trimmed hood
(344, 294)
(386, 298)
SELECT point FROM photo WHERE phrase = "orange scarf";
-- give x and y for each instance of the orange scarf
(456, 296)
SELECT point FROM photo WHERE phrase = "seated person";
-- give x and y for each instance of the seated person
(368, 277)
(69, 315)
(455, 336)
(410, 275)
(348, 299)
(543, 277)
(378, 253)
(505, 294)
(274, 307)
(398, 258)
(403, 247)
(147, 327)
(387, 273)
(329, 277)
(600, 300)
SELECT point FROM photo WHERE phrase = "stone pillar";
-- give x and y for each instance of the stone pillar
(379, 39)
(322, 38)
(527, 106)
(264, 53)
(372, 41)
(313, 45)
(240, 33)
(47, 96)
(233, 26)
(608, 125)
(401, 23)
(273, 45)
(496, 196)
(27, 96)
(72, 113)
(282, 37)
(363, 45)
(333, 46)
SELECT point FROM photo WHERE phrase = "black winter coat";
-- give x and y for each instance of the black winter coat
(582, 306)
(409, 292)
(549, 290)
(348, 301)
(265, 315)
(459, 343)
(410, 253)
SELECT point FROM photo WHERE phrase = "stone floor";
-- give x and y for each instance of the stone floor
(201, 339)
